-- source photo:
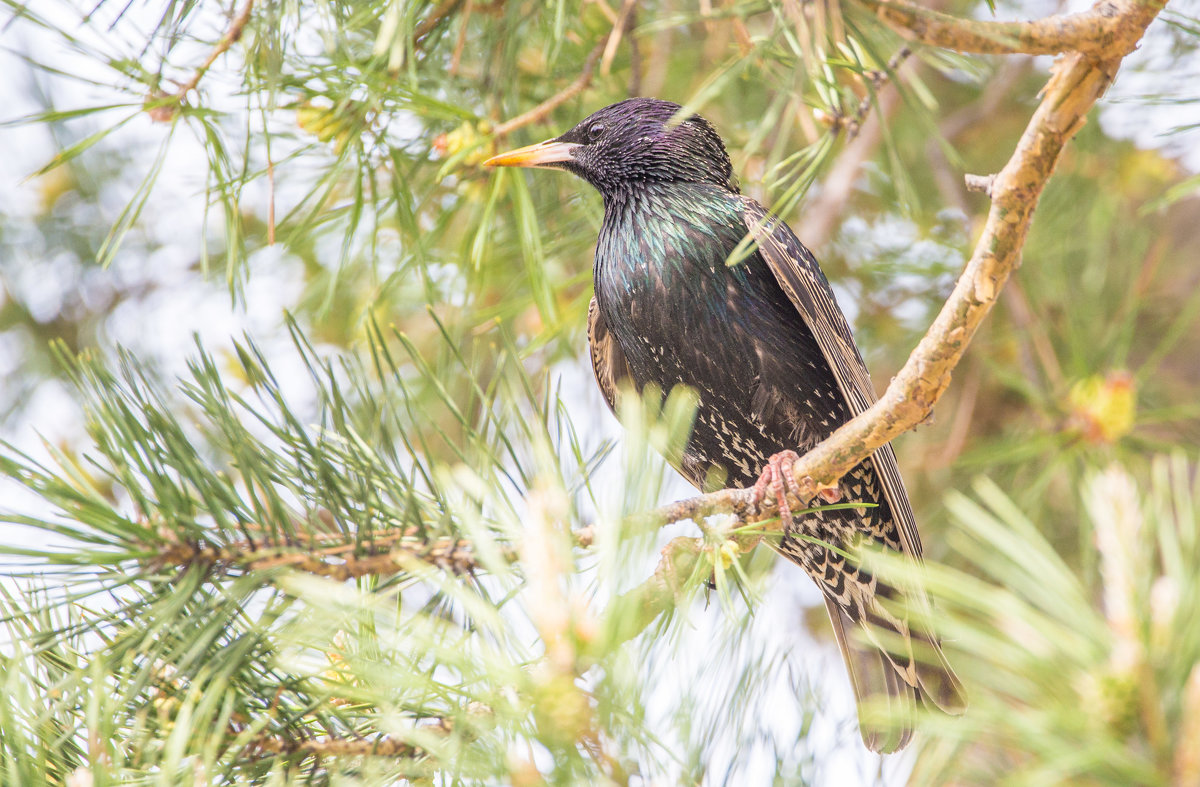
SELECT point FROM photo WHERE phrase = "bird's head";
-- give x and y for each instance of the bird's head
(632, 142)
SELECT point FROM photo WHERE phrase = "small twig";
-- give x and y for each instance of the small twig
(461, 43)
(382, 746)
(959, 122)
(444, 9)
(1097, 30)
(236, 28)
(742, 36)
(981, 183)
(825, 211)
(864, 132)
(620, 28)
(605, 9)
(566, 94)
(878, 78)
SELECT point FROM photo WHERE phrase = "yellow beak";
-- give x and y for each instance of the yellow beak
(543, 154)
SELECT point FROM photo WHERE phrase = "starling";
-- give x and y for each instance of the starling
(770, 354)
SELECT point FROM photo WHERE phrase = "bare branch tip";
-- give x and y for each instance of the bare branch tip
(982, 183)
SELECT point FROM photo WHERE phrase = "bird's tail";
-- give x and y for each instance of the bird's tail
(892, 679)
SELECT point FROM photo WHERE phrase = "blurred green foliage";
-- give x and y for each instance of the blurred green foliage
(422, 391)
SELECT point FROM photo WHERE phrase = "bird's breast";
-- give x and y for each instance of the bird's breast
(682, 315)
(663, 284)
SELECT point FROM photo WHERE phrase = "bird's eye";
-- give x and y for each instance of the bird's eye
(596, 130)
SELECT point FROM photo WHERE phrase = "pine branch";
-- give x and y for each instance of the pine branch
(382, 746)
(1100, 31)
(878, 79)
(336, 747)
(162, 108)
(449, 554)
(387, 553)
(821, 212)
(232, 35)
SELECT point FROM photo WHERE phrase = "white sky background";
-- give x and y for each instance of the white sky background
(161, 328)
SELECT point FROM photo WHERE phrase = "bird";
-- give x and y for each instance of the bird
(765, 346)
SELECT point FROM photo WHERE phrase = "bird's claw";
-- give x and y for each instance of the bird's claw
(778, 477)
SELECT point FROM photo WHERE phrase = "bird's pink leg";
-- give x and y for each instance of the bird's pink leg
(777, 477)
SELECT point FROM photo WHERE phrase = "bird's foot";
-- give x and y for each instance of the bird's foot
(778, 478)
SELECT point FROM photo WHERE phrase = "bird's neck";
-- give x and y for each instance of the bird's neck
(670, 223)
(661, 241)
(680, 195)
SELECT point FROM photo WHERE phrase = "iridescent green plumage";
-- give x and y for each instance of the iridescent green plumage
(770, 354)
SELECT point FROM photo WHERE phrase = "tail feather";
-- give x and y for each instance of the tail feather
(915, 654)
(882, 679)
(874, 678)
(938, 682)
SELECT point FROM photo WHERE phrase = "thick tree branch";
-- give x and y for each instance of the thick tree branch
(1077, 81)
(1100, 30)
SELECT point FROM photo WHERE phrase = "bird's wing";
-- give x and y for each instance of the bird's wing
(801, 278)
(608, 361)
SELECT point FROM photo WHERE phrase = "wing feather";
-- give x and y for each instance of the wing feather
(805, 284)
(608, 360)
(801, 278)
